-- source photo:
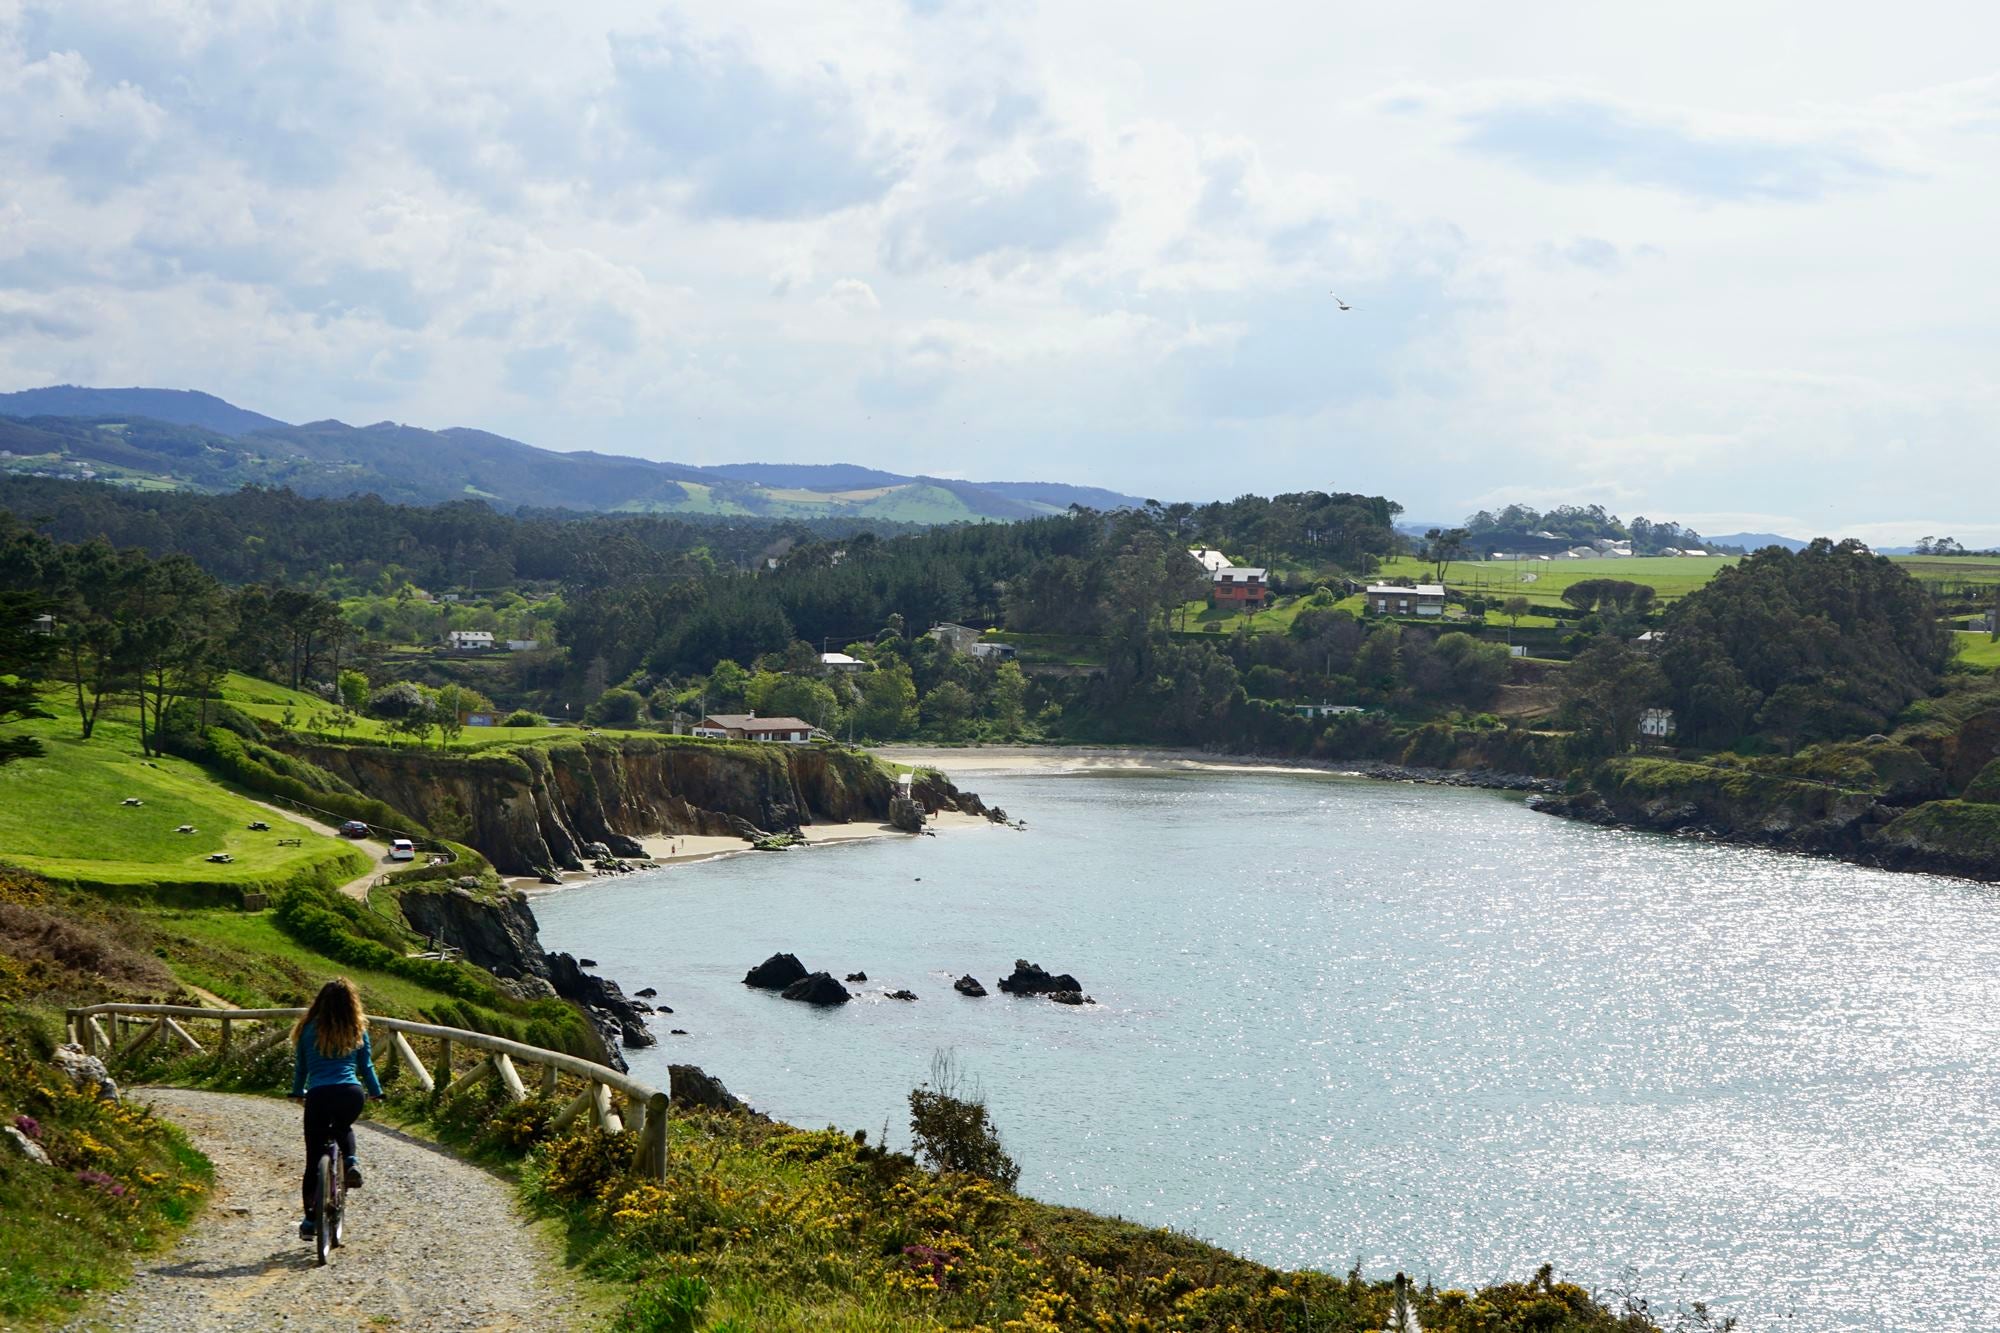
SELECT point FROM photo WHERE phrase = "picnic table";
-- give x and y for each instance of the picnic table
(221, 858)
(259, 826)
(131, 800)
(288, 842)
(185, 828)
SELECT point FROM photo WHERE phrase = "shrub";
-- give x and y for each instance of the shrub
(521, 717)
(951, 1129)
(618, 708)
(674, 1306)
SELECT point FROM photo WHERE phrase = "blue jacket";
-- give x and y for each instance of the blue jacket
(312, 1070)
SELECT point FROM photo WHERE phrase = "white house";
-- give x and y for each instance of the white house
(1656, 723)
(1326, 710)
(1394, 599)
(995, 652)
(840, 663)
(1210, 559)
(470, 640)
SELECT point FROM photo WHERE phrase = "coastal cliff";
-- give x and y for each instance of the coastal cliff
(533, 808)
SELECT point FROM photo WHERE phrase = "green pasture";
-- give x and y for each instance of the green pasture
(63, 815)
(1543, 581)
(268, 702)
(1978, 649)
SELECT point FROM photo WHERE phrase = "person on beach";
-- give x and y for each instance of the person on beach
(333, 1072)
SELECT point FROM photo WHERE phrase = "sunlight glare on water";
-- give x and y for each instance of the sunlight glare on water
(1417, 1027)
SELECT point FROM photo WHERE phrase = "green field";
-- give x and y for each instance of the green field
(63, 816)
(1670, 577)
(1978, 649)
(269, 703)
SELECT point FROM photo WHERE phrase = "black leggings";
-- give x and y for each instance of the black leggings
(330, 1110)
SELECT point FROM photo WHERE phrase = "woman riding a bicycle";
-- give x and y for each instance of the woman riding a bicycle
(334, 1071)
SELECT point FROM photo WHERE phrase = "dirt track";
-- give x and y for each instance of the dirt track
(434, 1246)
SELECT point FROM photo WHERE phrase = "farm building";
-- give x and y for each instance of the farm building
(1326, 710)
(1395, 599)
(470, 640)
(995, 652)
(955, 638)
(1656, 723)
(1210, 559)
(840, 664)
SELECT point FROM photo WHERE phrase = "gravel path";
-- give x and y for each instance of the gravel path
(434, 1245)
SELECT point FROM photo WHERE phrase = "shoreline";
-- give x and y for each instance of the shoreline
(1057, 760)
(671, 849)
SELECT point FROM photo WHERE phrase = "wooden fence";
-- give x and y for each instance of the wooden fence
(610, 1098)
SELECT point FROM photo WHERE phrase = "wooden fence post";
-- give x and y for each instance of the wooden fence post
(549, 1080)
(227, 1024)
(415, 1066)
(443, 1077)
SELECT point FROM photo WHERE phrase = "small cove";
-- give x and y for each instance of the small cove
(1415, 1027)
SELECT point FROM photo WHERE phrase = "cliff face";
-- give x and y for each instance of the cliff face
(531, 808)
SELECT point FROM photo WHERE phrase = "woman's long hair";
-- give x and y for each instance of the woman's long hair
(336, 1017)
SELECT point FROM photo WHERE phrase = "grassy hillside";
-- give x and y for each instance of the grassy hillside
(1978, 650)
(63, 816)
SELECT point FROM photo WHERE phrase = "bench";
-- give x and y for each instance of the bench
(185, 828)
(289, 842)
(221, 858)
(259, 826)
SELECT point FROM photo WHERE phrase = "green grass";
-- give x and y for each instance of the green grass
(1670, 577)
(1978, 650)
(62, 816)
(268, 702)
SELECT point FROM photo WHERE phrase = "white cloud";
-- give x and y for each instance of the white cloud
(1094, 241)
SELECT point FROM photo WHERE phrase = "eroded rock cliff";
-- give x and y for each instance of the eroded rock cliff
(531, 808)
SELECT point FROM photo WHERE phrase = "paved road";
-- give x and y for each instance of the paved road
(378, 852)
(435, 1245)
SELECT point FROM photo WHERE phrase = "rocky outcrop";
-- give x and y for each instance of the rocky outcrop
(776, 972)
(905, 814)
(1733, 804)
(497, 931)
(1033, 979)
(969, 985)
(691, 1089)
(532, 808)
(900, 994)
(819, 988)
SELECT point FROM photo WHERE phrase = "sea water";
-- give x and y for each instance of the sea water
(1341, 1021)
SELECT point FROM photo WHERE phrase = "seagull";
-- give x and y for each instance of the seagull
(1337, 301)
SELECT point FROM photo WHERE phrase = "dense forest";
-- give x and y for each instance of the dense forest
(1523, 528)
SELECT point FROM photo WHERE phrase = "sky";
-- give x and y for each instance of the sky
(1730, 264)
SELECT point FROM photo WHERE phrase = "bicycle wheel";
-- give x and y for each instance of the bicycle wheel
(337, 1168)
(326, 1212)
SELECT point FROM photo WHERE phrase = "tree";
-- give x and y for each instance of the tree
(94, 651)
(451, 705)
(178, 622)
(1605, 691)
(948, 708)
(888, 703)
(1514, 608)
(1445, 545)
(1007, 700)
(353, 689)
(806, 697)
(24, 658)
(618, 707)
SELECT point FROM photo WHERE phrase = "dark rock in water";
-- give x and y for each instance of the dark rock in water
(1070, 997)
(586, 962)
(646, 994)
(776, 972)
(857, 976)
(677, 1032)
(549, 877)
(1032, 979)
(969, 985)
(634, 1034)
(688, 1088)
(642, 1006)
(819, 988)
(900, 994)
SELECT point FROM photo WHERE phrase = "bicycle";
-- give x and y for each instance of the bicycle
(330, 1205)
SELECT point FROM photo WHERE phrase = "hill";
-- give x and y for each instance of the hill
(1757, 541)
(182, 407)
(181, 440)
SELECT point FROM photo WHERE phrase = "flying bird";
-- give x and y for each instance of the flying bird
(1337, 301)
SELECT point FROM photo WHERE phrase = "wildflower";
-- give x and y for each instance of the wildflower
(30, 1126)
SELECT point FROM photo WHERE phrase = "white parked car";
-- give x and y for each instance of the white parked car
(402, 849)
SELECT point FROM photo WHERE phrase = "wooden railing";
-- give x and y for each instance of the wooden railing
(643, 1105)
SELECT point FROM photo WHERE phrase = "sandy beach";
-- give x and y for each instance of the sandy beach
(972, 759)
(684, 848)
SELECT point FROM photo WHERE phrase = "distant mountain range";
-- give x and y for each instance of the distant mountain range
(1757, 541)
(181, 439)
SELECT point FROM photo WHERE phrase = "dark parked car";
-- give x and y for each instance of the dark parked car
(354, 828)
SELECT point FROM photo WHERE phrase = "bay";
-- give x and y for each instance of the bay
(1345, 1022)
